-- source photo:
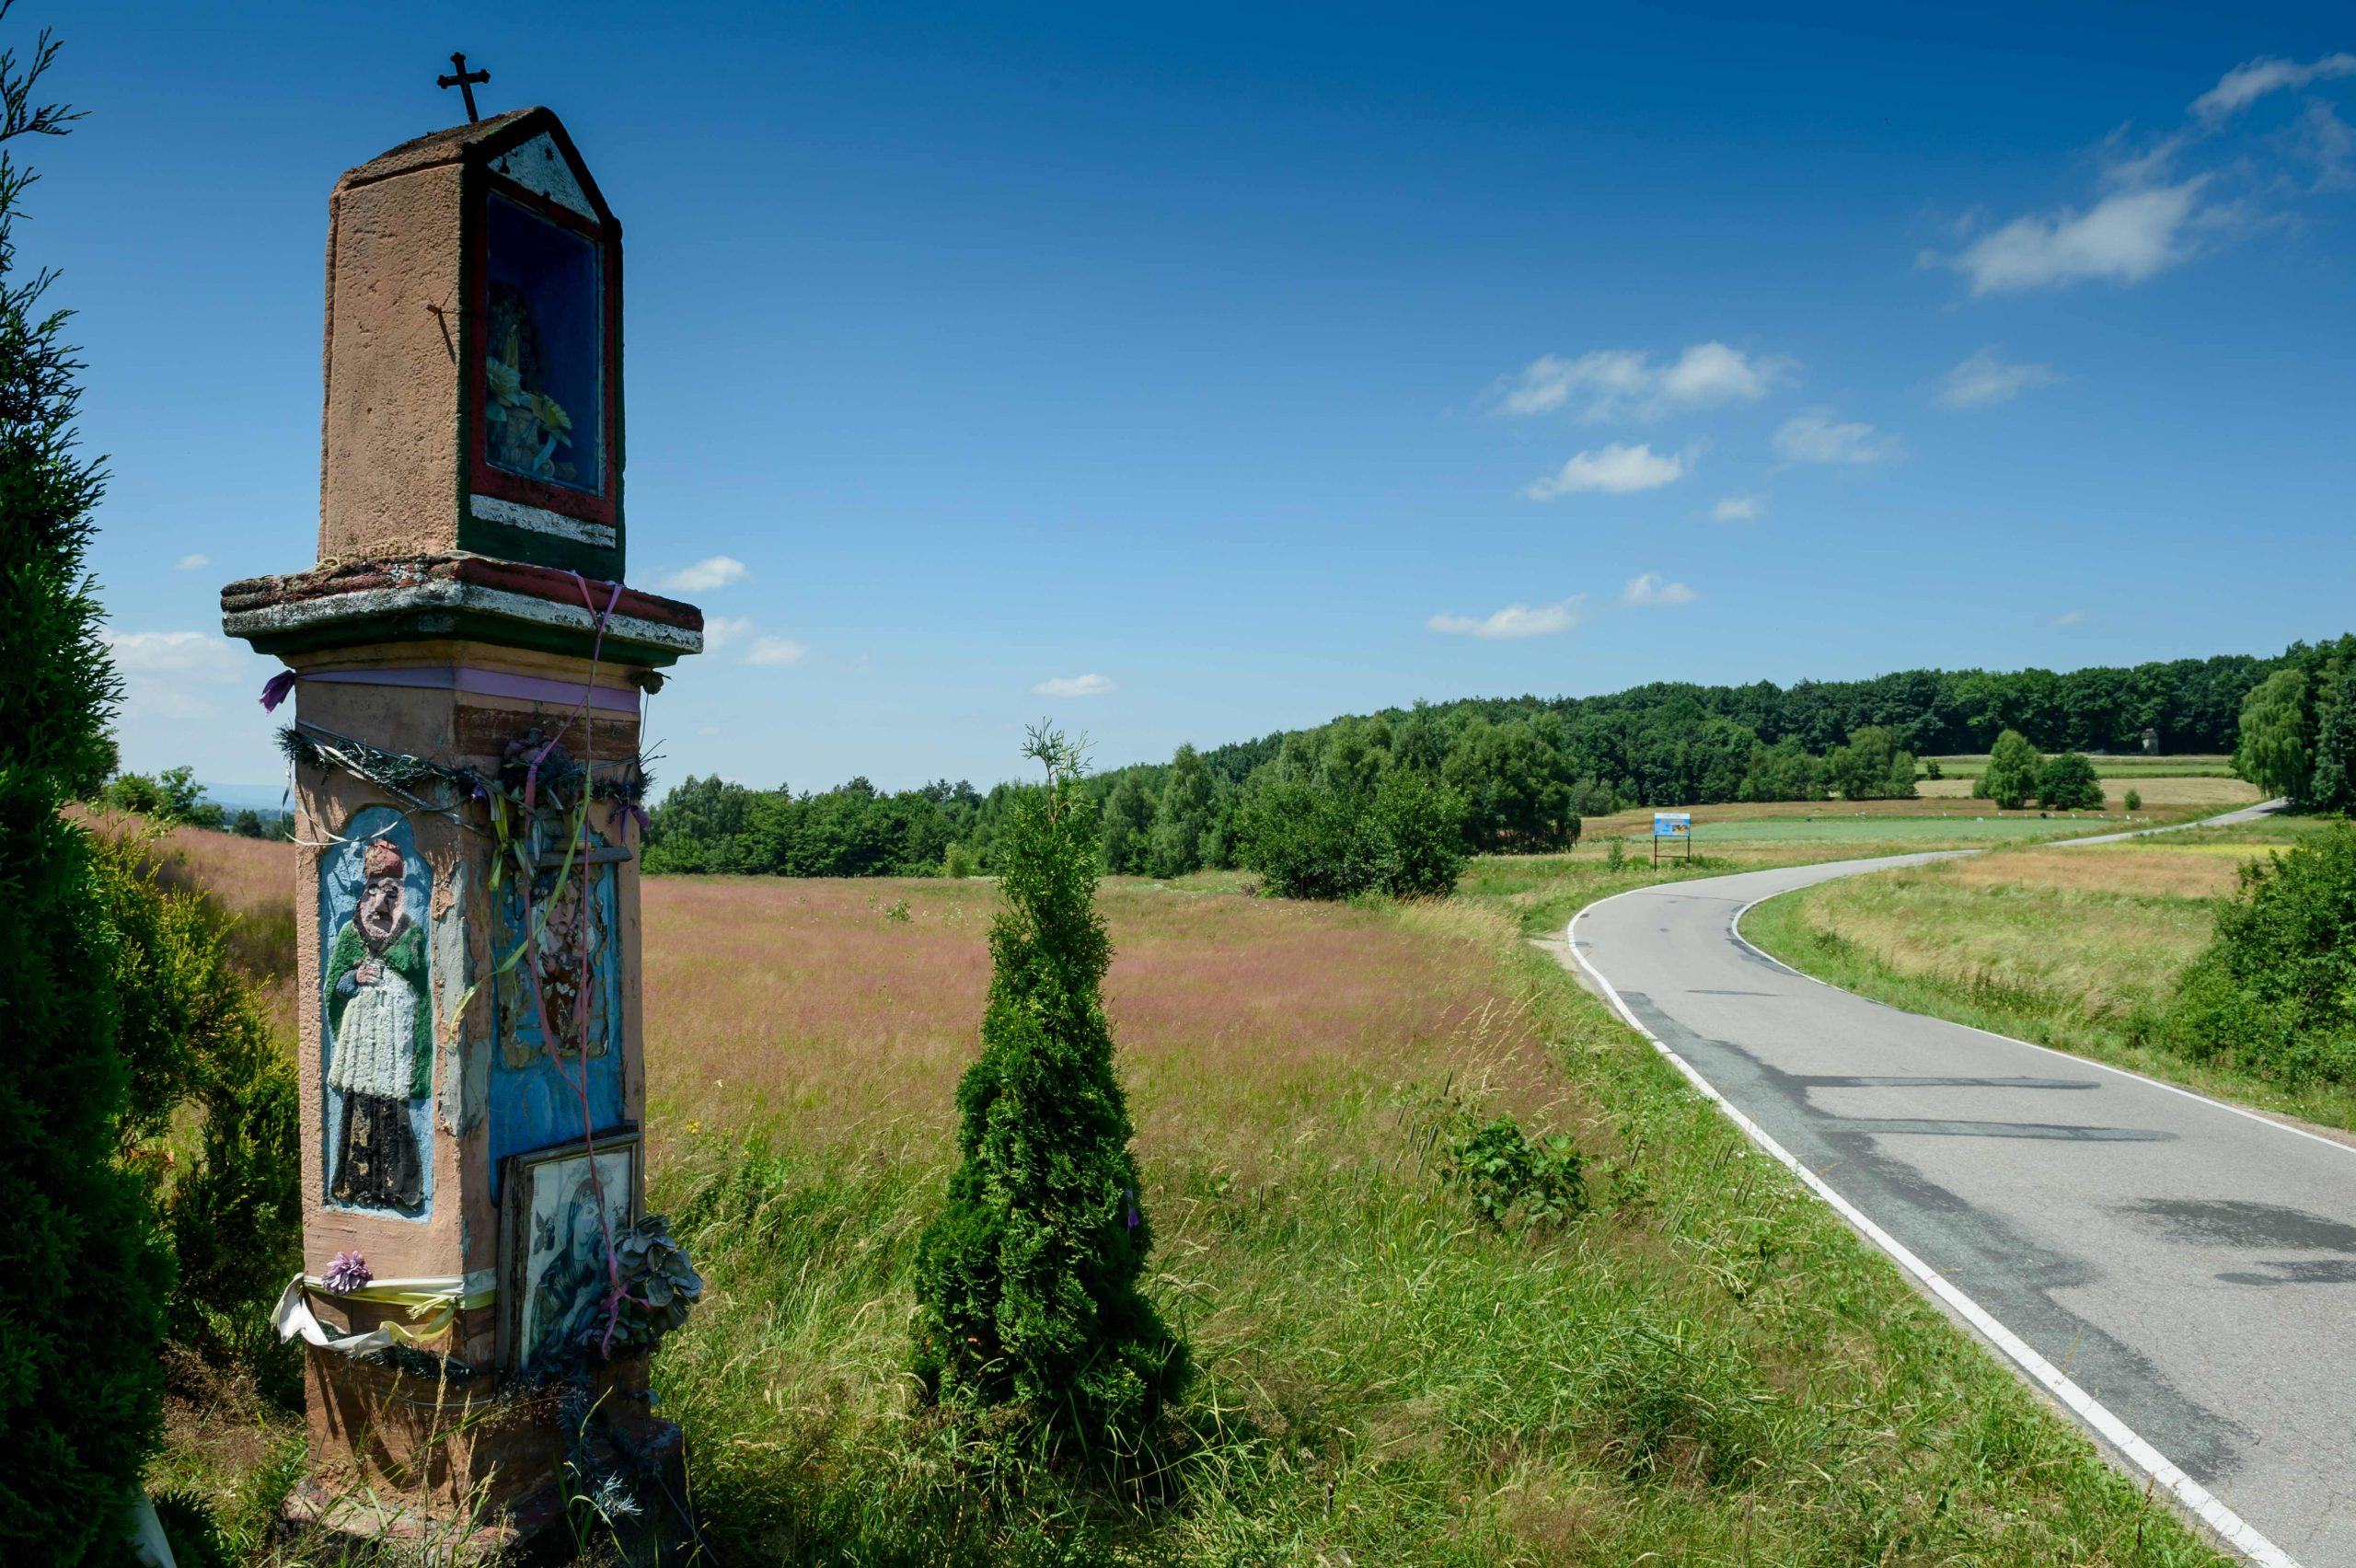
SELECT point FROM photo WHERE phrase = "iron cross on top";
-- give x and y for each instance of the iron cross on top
(465, 82)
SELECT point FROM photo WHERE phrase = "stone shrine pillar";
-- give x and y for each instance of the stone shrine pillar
(468, 676)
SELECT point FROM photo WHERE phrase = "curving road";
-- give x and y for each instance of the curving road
(2178, 1271)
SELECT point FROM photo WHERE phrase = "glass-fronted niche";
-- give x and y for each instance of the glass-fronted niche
(543, 349)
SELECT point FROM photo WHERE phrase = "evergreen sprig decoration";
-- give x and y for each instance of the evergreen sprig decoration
(1027, 1284)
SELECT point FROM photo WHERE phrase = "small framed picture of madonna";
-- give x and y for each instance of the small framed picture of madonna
(560, 1209)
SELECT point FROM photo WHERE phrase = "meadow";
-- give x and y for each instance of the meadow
(1705, 1366)
(2128, 769)
(2077, 948)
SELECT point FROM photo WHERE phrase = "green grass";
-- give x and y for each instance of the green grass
(1708, 1368)
(2127, 767)
(2084, 968)
(1961, 828)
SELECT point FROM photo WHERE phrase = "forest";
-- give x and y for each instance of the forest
(1515, 774)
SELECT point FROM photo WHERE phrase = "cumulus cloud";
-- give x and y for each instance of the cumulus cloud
(1089, 684)
(1983, 379)
(712, 571)
(1613, 383)
(174, 674)
(776, 650)
(718, 631)
(1815, 436)
(1514, 620)
(1739, 509)
(2126, 237)
(1614, 470)
(1647, 588)
(2244, 85)
(192, 562)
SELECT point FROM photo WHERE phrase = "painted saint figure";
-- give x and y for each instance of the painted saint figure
(381, 1016)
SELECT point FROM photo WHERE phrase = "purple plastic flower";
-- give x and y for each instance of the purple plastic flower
(347, 1272)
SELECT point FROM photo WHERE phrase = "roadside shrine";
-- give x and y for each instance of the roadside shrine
(468, 676)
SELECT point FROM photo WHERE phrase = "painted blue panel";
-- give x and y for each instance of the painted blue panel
(537, 1094)
(343, 883)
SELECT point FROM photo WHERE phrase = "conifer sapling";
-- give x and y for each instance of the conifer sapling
(1027, 1284)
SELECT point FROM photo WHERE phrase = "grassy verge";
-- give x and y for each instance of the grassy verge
(1704, 1367)
(2075, 949)
(1707, 1368)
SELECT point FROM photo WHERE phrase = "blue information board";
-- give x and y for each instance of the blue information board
(1672, 824)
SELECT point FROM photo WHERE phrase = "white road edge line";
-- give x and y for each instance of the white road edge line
(1734, 929)
(2230, 1527)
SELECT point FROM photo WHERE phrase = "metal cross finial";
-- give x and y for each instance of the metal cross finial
(465, 82)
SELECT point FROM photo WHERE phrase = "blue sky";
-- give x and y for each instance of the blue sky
(1189, 372)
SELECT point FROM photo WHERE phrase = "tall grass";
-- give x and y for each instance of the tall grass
(1707, 1368)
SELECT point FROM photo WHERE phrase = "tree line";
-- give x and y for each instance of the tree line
(1504, 774)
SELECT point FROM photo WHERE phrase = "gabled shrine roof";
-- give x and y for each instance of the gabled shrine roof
(480, 142)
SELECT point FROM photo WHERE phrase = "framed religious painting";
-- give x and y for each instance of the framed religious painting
(544, 358)
(559, 1208)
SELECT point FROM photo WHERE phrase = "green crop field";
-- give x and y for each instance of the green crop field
(2127, 767)
(1900, 832)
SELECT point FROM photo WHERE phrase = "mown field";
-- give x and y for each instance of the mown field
(2127, 769)
(1705, 1368)
(2078, 948)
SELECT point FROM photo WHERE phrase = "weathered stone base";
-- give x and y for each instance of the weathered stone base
(367, 1522)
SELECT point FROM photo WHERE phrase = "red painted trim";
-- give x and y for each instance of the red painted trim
(488, 478)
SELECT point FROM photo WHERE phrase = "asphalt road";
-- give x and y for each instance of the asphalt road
(2180, 1272)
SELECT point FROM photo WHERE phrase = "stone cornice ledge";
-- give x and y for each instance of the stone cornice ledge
(275, 613)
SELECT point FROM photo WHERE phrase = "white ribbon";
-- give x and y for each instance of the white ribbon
(443, 1294)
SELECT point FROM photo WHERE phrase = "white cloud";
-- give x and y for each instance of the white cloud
(1739, 509)
(1983, 379)
(1615, 470)
(1648, 589)
(776, 650)
(1815, 436)
(174, 674)
(192, 563)
(2244, 85)
(713, 572)
(718, 631)
(2069, 618)
(1514, 620)
(1074, 685)
(2125, 237)
(1610, 383)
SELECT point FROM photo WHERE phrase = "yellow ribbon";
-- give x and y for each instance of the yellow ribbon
(445, 1297)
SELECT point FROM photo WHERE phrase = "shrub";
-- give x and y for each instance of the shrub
(2067, 783)
(1404, 838)
(195, 1038)
(2276, 987)
(1510, 1176)
(2134, 800)
(2011, 776)
(1027, 1284)
(82, 1295)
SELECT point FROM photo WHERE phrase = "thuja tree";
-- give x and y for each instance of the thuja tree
(1027, 1284)
(82, 1277)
